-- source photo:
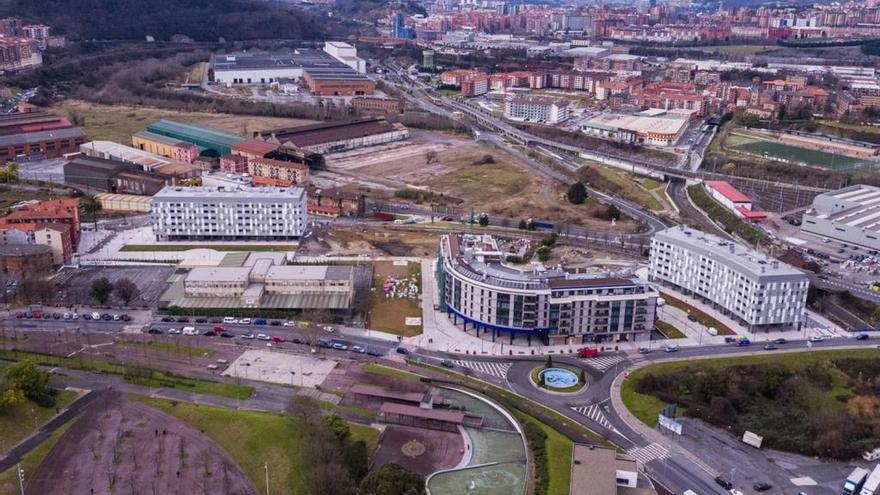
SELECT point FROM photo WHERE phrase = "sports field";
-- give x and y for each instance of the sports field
(802, 155)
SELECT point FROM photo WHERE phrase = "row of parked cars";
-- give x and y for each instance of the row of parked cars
(46, 315)
(231, 321)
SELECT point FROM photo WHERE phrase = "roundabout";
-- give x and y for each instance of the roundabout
(559, 379)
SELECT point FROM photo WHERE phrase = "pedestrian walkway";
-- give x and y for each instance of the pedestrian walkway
(649, 453)
(603, 363)
(485, 367)
(594, 412)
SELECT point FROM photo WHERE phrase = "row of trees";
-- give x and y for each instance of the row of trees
(102, 289)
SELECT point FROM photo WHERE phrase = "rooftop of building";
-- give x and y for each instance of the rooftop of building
(158, 138)
(538, 100)
(193, 132)
(301, 58)
(727, 190)
(327, 132)
(24, 249)
(232, 192)
(125, 153)
(854, 206)
(308, 272)
(594, 472)
(72, 133)
(663, 124)
(748, 260)
(280, 163)
(254, 147)
(479, 258)
(230, 274)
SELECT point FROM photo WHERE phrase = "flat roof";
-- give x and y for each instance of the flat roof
(445, 415)
(639, 123)
(125, 153)
(242, 193)
(301, 58)
(748, 260)
(158, 138)
(594, 469)
(218, 274)
(328, 132)
(309, 272)
(854, 206)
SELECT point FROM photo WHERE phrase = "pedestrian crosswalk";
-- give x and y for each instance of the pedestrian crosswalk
(487, 367)
(594, 412)
(648, 453)
(602, 363)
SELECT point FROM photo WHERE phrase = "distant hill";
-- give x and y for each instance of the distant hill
(201, 20)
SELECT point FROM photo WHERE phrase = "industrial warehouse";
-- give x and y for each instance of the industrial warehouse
(481, 291)
(37, 135)
(333, 137)
(849, 215)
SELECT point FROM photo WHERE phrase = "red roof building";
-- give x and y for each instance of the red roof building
(732, 199)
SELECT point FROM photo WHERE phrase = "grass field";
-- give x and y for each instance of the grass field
(669, 331)
(118, 123)
(253, 438)
(801, 155)
(642, 406)
(173, 248)
(31, 461)
(378, 369)
(620, 183)
(559, 450)
(389, 314)
(20, 421)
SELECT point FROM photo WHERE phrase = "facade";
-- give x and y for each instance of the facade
(56, 212)
(234, 164)
(165, 146)
(229, 214)
(150, 162)
(41, 144)
(333, 137)
(277, 172)
(849, 215)
(375, 105)
(478, 289)
(537, 109)
(337, 81)
(22, 260)
(55, 237)
(102, 175)
(755, 289)
(346, 54)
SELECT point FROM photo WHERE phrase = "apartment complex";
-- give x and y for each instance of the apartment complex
(755, 289)
(850, 215)
(479, 290)
(229, 213)
(269, 172)
(53, 223)
(537, 109)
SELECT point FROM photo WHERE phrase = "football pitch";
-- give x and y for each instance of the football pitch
(803, 155)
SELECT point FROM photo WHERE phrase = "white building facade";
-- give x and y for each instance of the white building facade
(537, 109)
(229, 213)
(751, 287)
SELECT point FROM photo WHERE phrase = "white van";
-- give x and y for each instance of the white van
(712, 331)
(189, 330)
(229, 320)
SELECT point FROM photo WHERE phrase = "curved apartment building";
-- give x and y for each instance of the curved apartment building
(483, 293)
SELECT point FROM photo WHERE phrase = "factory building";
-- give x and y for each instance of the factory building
(850, 215)
(333, 137)
(41, 144)
(168, 147)
(229, 214)
(742, 283)
(102, 175)
(652, 127)
(212, 143)
(554, 306)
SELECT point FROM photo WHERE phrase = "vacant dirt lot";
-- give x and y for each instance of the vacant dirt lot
(119, 446)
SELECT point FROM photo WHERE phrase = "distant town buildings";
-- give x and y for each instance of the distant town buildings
(742, 283)
(229, 214)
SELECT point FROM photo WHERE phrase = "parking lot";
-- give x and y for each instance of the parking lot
(73, 286)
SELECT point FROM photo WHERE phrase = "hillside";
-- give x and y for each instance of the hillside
(201, 20)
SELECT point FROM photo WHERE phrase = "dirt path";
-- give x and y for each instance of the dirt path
(119, 446)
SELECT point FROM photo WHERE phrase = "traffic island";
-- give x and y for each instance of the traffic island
(560, 379)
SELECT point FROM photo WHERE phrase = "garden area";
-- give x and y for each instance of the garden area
(815, 403)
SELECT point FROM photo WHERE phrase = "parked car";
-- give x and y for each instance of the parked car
(723, 483)
(19, 314)
(56, 316)
(277, 339)
(587, 352)
(358, 349)
(762, 486)
(248, 336)
(671, 348)
(183, 319)
(729, 339)
(154, 331)
(218, 329)
(47, 316)
(744, 343)
(644, 350)
(770, 347)
(289, 323)
(817, 338)
(340, 346)
(263, 336)
(97, 316)
(201, 320)
(692, 318)
(87, 316)
(259, 321)
(125, 317)
(862, 336)
(227, 335)
(174, 331)
(208, 333)
(275, 323)
(66, 316)
(244, 321)
(229, 320)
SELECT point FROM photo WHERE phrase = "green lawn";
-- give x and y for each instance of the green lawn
(169, 248)
(722, 215)
(651, 184)
(642, 406)
(559, 449)
(701, 317)
(19, 422)
(31, 461)
(156, 379)
(385, 370)
(807, 156)
(252, 438)
(154, 345)
(669, 331)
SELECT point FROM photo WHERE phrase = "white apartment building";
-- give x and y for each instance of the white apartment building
(756, 289)
(539, 109)
(346, 54)
(229, 213)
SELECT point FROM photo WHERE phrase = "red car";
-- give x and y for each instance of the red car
(19, 314)
(588, 352)
(277, 339)
(218, 329)
(38, 314)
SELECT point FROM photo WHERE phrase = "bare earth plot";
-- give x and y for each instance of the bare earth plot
(119, 446)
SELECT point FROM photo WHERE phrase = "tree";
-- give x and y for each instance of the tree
(10, 398)
(484, 220)
(612, 213)
(126, 290)
(91, 206)
(101, 290)
(430, 157)
(392, 479)
(577, 193)
(522, 224)
(338, 426)
(27, 377)
(543, 253)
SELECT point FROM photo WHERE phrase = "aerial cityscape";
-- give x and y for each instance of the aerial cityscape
(440, 247)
